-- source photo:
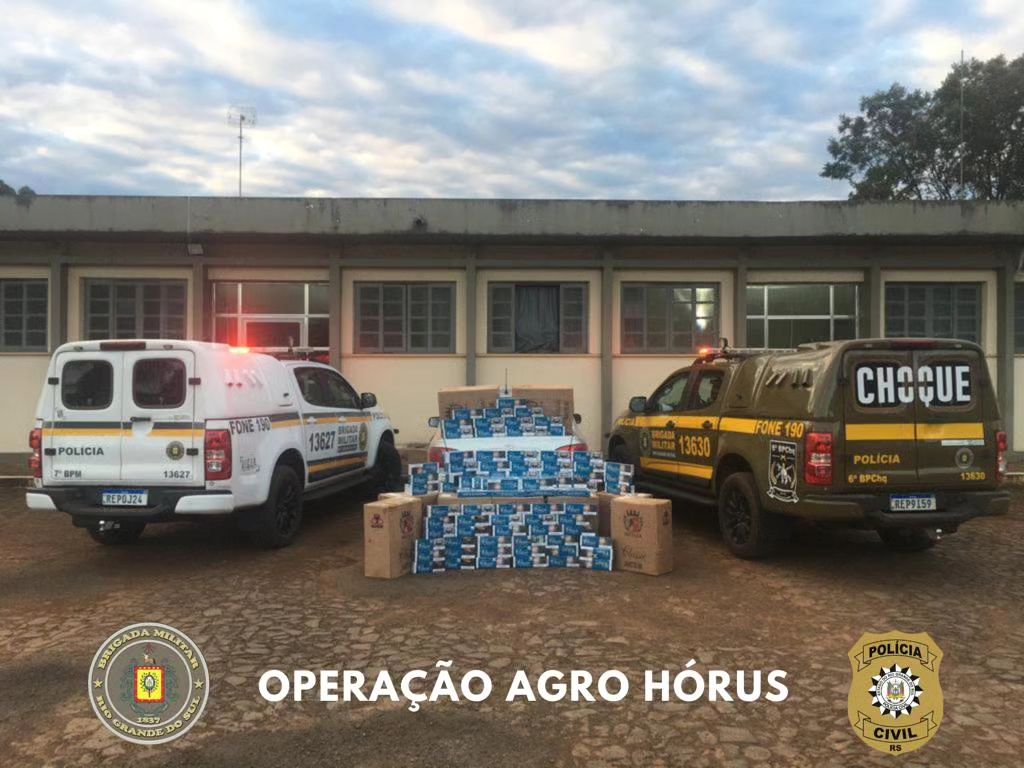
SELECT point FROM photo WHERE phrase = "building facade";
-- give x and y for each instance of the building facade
(409, 296)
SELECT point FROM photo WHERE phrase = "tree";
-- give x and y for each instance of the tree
(906, 145)
(23, 195)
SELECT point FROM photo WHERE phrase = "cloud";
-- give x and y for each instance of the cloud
(489, 98)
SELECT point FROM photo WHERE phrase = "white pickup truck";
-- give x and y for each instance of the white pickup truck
(130, 432)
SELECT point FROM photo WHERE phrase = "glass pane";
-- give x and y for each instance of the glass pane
(845, 328)
(158, 383)
(272, 333)
(755, 333)
(273, 298)
(225, 298)
(319, 332)
(226, 331)
(755, 300)
(87, 384)
(845, 298)
(339, 393)
(805, 299)
(790, 333)
(319, 298)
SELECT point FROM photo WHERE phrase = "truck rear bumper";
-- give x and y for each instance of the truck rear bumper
(954, 507)
(165, 504)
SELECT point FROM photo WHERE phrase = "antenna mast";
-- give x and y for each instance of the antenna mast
(242, 116)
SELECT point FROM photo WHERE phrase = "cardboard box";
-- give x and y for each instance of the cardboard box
(641, 530)
(450, 398)
(556, 401)
(425, 499)
(390, 529)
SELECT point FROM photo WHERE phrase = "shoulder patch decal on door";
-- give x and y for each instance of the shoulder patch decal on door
(782, 470)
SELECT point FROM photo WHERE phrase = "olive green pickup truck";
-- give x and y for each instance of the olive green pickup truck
(899, 435)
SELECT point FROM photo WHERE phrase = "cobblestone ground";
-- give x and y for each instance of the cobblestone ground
(309, 606)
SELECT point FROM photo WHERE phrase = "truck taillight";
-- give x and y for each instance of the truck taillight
(1000, 456)
(818, 458)
(35, 461)
(436, 453)
(217, 453)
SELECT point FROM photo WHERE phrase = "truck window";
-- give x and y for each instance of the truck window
(708, 386)
(158, 382)
(325, 388)
(87, 384)
(669, 396)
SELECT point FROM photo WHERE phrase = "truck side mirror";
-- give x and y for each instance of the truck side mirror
(367, 400)
(638, 404)
(434, 422)
(577, 418)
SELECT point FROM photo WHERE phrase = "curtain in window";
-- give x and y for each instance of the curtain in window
(536, 318)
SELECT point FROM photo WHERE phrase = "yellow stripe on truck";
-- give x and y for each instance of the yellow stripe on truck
(880, 431)
(951, 431)
(678, 422)
(911, 431)
(694, 470)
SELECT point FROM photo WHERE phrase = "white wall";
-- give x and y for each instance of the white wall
(22, 374)
(406, 385)
(640, 374)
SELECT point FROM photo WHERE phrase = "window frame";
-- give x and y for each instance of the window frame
(24, 283)
(240, 318)
(929, 317)
(139, 314)
(668, 287)
(564, 286)
(406, 347)
(832, 316)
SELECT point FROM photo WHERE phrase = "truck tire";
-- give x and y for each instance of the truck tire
(281, 514)
(908, 539)
(386, 475)
(748, 529)
(619, 454)
(127, 533)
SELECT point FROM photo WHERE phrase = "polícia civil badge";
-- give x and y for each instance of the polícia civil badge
(895, 701)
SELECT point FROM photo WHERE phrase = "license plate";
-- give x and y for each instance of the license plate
(912, 502)
(125, 498)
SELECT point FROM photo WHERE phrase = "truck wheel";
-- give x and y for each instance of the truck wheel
(748, 529)
(619, 454)
(127, 533)
(908, 539)
(386, 475)
(281, 514)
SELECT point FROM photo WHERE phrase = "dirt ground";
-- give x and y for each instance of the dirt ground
(309, 606)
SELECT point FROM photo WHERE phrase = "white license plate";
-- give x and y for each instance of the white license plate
(912, 502)
(125, 498)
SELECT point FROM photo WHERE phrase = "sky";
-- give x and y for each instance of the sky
(623, 99)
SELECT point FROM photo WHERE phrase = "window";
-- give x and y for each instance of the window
(405, 318)
(272, 315)
(781, 316)
(158, 382)
(708, 386)
(128, 309)
(939, 310)
(23, 308)
(1018, 318)
(87, 385)
(537, 318)
(325, 388)
(669, 396)
(668, 318)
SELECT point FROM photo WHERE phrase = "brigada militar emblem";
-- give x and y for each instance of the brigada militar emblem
(895, 702)
(148, 683)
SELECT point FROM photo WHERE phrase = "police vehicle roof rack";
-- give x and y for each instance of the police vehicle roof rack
(725, 352)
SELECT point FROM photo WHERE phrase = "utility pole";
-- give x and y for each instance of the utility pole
(963, 146)
(243, 116)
